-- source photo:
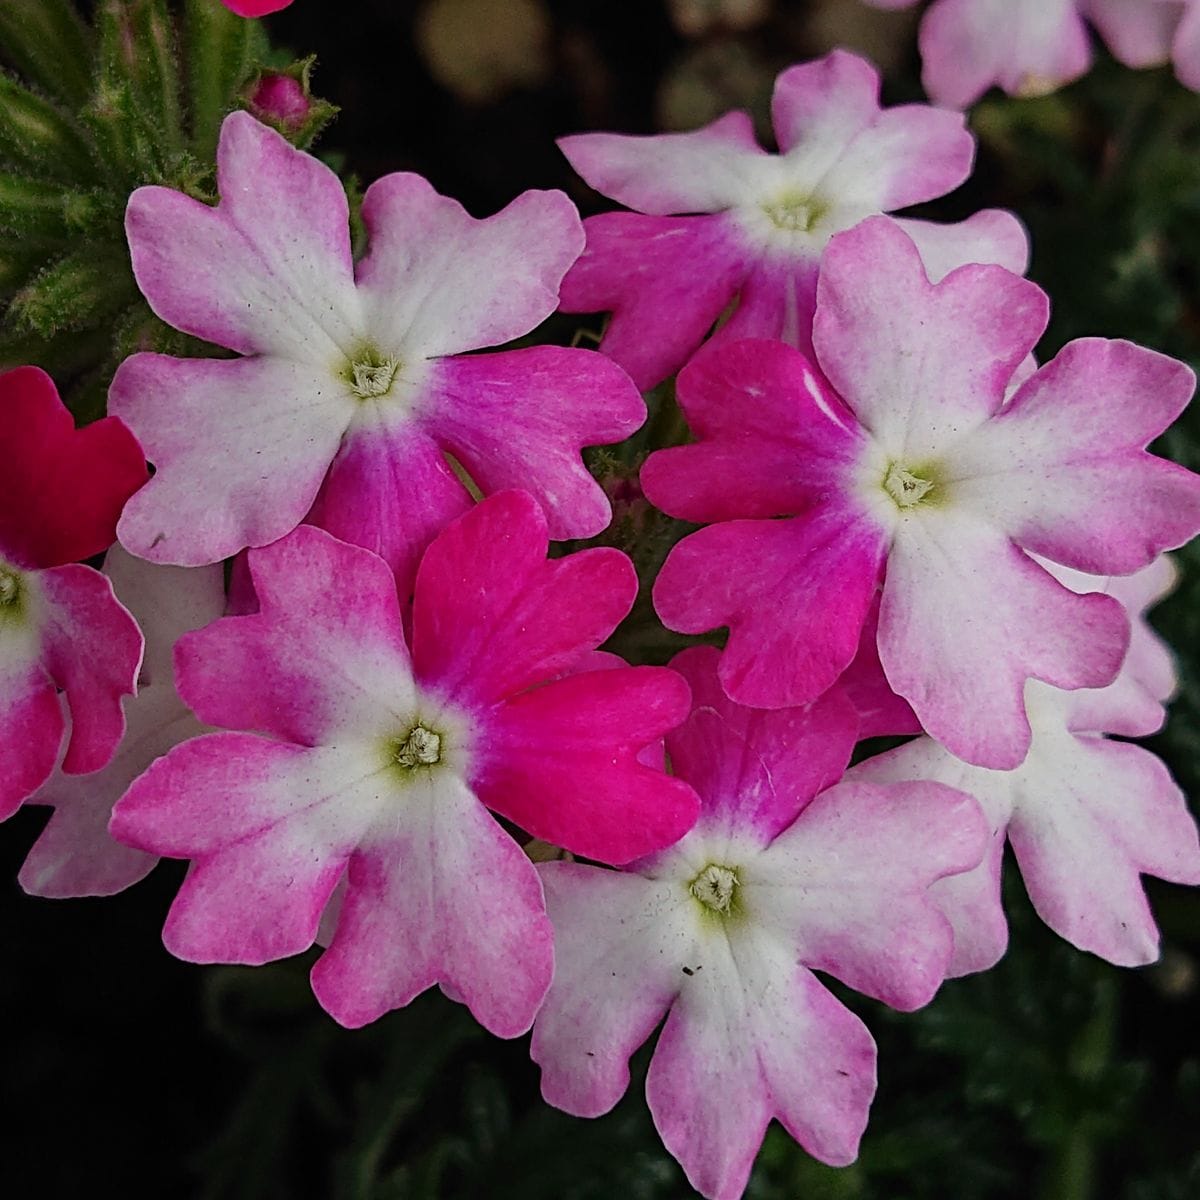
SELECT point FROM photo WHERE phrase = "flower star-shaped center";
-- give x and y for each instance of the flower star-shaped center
(420, 748)
(372, 375)
(905, 487)
(716, 889)
(793, 212)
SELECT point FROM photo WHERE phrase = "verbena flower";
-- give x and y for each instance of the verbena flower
(788, 871)
(255, 8)
(920, 471)
(1085, 815)
(1029, 47)
(767, 217)
(377, 764)
(353, 383)
(75, 855)
(61, 627)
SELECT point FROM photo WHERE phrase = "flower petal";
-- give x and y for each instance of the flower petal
(437, 281)
(31, 725)
(240, 446)
(993, 235)
(1138, 34)
(266, 271)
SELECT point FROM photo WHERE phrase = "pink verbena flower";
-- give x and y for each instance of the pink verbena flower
(75, 856)
(1029, 47)
(371, 763)
(60, 625)
(919, 470)
(767, 219)
(353, 381)
(255, 8)
(788, 871)
(1085, 815)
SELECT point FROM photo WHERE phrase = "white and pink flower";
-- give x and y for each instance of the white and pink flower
(366, 761)
(758, 222)
(353, 383)
(921, 472)
(788, 871)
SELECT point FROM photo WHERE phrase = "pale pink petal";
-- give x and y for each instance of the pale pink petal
(444, 897)
(520, 419)
(75, 856)
(621, 943)
(665, 280)
(702, 171)
(1138, 32)
(966, 618)
(794, 594)
(818, 107)
(837, 885)
(31, 729)
(562, 762)
(92, 649)
(1103, 812)
(941, 355)
(493, 616)
(437, 281)
(1150, 660)
(391, 491)
(269, 827)
(993, 235)
(749, 1039)
(1063, 470)
(756, 769)
(1185, 50)
(324, 655)
(240, 446)
(1028, 47)
(269, 269)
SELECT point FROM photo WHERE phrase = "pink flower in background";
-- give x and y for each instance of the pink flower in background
(766, 217)
(61, 628)
(75, 856)
(353, 381)
(1029, 47)
(373, 764)
(1085, 815)
(255, 8)
(920, 471)
(787, 872)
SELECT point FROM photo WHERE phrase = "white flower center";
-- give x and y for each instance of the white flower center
(715, 888)
(421, 748)
(372, 377)
(905, 488)
(793, 212)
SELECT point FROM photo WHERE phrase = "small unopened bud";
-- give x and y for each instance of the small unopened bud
(284, 100)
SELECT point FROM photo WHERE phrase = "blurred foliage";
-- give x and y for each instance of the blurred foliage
(1052, 1077)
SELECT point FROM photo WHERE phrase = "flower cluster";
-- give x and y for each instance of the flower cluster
(1030, 47)
(906, 524)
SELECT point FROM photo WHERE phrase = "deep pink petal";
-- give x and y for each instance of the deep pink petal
(92, 649)
(966, 618)
(391, 491)
(31, 731)
(561, 761)
(520, 419)
(325, 654)
(63, 487)
(881, 713)
(776, 301)
(448, 898)
(702, 171)
(1062, 469)
(269, 269)
(664, 279)
(493, 616)
(437, 281)
(240, 446)
(941, 355)
(756, 769)
(255, 8)
(794, 594)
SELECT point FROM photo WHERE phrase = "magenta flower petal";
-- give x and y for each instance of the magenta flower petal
(33, 725)
(494, 616)
(269, 269)
(644, 270)
(561, 400)
(439, 281)
(391, 491)
(255, 8)
(881, 713)
(241, 447)
(464, 911)
(64, 487)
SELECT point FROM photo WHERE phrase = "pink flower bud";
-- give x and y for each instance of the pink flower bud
(281, 99)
